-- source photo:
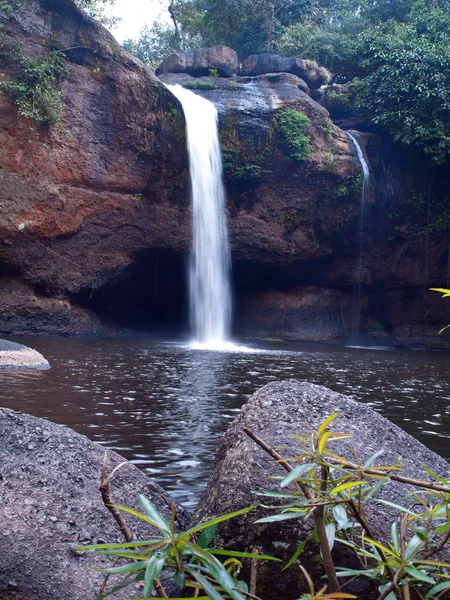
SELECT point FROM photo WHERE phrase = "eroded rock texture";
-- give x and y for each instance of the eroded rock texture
(50, 503)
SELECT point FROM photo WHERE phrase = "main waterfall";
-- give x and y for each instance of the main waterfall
(210, 294)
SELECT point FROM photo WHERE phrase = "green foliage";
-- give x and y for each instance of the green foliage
(338, 493)
(6, 6)
(295, 143)
(97, 9)
(33, 89)
(407, 86)
(446, 294)
(213, 72)
(179, 555)
(198, 84)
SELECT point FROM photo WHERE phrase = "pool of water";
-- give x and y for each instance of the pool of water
(164, 406)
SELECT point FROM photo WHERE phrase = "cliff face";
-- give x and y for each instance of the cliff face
(78, 200)
(95, 212)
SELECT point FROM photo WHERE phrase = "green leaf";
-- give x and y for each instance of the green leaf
(396, 506)
(419, 575)
(395, 537)
(281, 517)
(154, 515)
(445, 585)
(346, 486)
(325, 424)
(340, 515)
(296, 473)
(342, 572)
(330, 530)
(207, 536)
(187, 534)
(443, 528)
(206, 585)
(140, 516)
(129, 568)
(297, 553)
(413, 546)
(369, 462)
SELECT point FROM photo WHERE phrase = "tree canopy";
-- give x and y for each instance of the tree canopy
(397, 50)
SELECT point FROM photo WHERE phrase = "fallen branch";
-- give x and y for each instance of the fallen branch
(318, 513)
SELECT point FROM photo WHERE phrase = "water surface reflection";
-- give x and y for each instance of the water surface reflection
(164, 406)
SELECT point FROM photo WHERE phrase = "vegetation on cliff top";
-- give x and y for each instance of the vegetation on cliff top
(398, 49)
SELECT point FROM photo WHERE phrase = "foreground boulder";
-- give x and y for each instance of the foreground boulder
(18, 356)
(275, 413)
(50, 503)
(222, 59)
(309, 70)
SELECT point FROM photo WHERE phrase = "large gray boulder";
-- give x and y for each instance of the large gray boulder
(222, 59)
(274, 413)
(50, 502)
(309, 70)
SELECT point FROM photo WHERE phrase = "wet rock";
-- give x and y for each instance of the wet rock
(40, 560)
(17, 356)
(301, 314)
(222, 59)
(274, 413)
(309, 70)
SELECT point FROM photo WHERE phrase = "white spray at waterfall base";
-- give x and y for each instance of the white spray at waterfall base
(209, 278)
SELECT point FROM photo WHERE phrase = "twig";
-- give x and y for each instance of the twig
(439, 547)
(400, 478)
(402, 533)
(318, 513)
(247, 594)
(391, 587)
(106, 497)
(173, 507)
(253, 573)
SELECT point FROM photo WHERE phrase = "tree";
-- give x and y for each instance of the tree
(97, 10)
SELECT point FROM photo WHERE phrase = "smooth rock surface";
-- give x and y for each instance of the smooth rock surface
(50, 503)
(274, 413)
(17, 356)
(309, 70)
(222, 59)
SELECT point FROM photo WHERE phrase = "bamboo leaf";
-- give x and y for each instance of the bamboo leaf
(419, 575)
(129, 568)
(187, 534)
(207, 536)
(440, 587)
(282, 517)
(154, 515)
(346, 486)
(325, 424)
(323, 441)
(296, 473)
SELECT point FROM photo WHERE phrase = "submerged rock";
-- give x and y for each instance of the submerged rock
(18, 356)
(275, 413)
(50, 503)
(222, 59)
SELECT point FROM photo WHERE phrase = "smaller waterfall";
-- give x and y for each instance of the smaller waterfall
(210, 295)
(360, 238)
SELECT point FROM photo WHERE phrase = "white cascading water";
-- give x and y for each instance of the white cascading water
(364, 198)
(210, 294)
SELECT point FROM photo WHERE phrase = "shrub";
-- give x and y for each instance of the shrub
(295, 143)
(34, 88)
(197, 84)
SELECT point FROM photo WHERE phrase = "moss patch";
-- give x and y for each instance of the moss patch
(291, 127)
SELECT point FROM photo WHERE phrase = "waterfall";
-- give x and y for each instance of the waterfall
(209, 289)
(360, 237)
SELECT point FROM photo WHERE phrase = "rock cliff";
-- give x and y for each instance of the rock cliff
(95, 213)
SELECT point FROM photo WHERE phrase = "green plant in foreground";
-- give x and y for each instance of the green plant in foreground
(292, 125)
(179, 556)
(446, 294)
(335, 493)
